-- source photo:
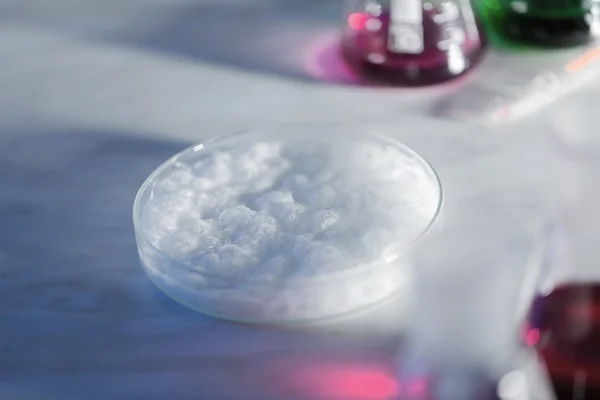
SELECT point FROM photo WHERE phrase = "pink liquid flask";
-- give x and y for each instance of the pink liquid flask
(411, 42)
(565, 329)
(563, 321)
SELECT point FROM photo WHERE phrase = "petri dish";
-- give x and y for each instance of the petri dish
(287, 224)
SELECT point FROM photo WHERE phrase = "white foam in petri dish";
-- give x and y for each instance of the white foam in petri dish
(285, 225)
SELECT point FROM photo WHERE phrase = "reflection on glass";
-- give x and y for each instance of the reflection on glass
(469, 280)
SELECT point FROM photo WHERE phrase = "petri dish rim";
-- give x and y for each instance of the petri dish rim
(281, 323)
(279, 131)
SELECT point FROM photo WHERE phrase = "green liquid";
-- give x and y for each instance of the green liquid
(548, 9)
(533, 23)
(495, 37)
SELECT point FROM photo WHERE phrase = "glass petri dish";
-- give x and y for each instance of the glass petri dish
(285, 225)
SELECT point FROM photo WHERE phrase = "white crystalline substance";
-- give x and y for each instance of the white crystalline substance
(283, 213)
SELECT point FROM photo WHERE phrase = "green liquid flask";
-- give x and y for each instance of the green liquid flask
(548, 23)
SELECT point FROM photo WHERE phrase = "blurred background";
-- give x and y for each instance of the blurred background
(95, 94)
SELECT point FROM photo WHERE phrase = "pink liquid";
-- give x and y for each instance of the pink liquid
(564, 327)
(429, 67)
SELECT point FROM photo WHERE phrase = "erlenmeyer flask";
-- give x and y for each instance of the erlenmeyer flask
(555, 23)
(563, 323)
(411, 42)
(462, 339)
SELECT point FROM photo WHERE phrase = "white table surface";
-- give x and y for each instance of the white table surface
(95, 94)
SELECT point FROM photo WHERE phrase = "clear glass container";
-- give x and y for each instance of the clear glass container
(545, 22)
(286, 224)
(462, 341)
(563, 321)
(411, 42)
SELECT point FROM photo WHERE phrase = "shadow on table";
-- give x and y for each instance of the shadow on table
(66, 209)
(294, 39)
